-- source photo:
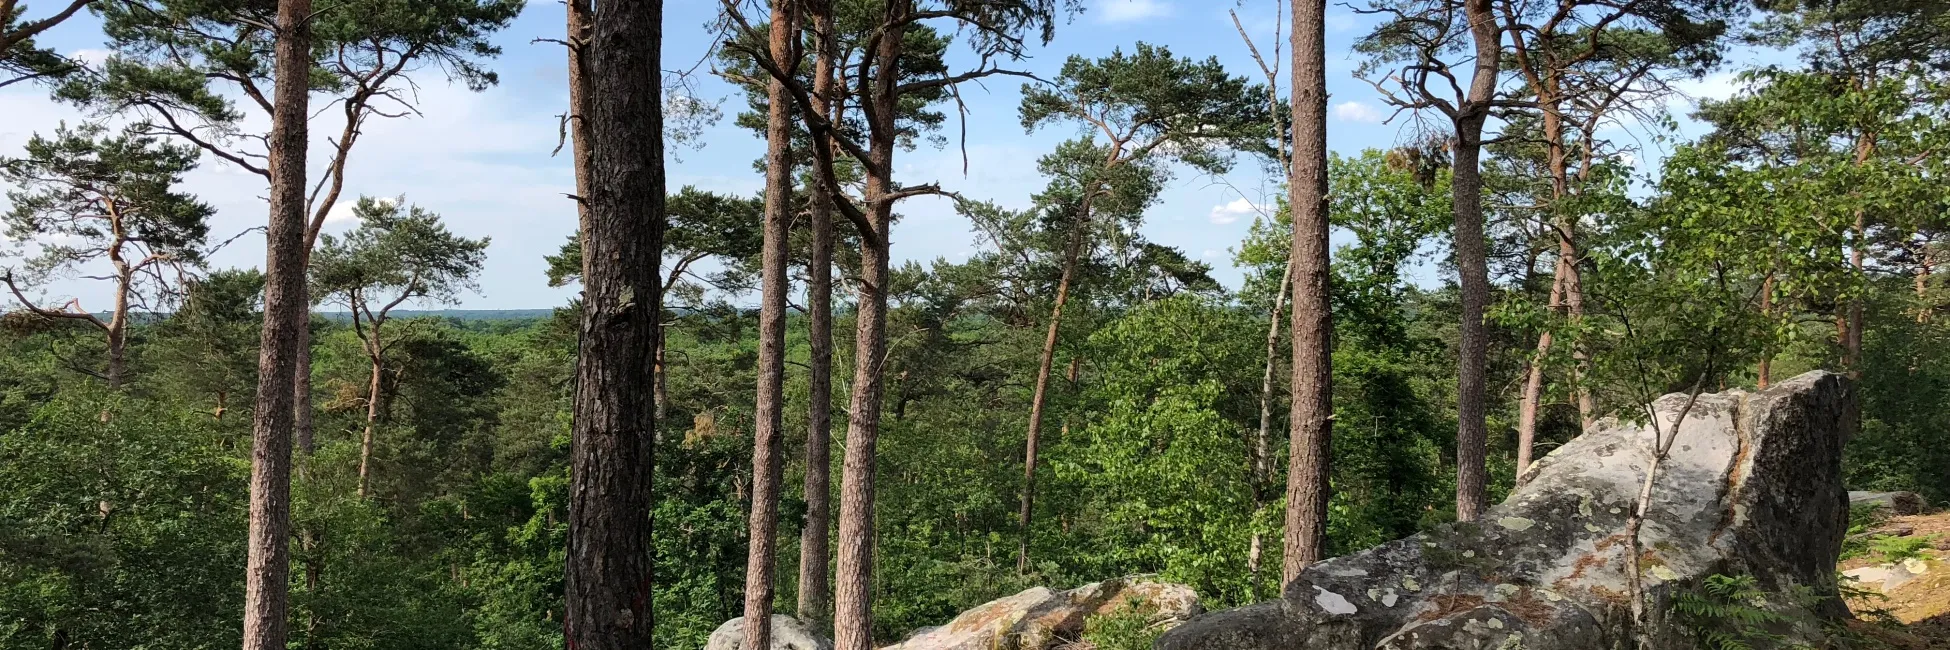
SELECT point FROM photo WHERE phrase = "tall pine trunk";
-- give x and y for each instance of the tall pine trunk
(853, 586)
(1472, 427)
(118, 328)
(577, 118)
(373, 385)
(814, 544)
(1310, 427)
(608, 574)
(304, 430)
(1764, 371)
(768, 459)
(267, 563)
(1922, 276)
(1262, 460)
(1533, 383)
(1045, 362)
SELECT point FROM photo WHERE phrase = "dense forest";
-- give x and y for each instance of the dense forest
(755, 405)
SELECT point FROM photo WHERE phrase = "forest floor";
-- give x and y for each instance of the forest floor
(1912, 614)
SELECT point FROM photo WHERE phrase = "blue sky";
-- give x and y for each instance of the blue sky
(482, 159)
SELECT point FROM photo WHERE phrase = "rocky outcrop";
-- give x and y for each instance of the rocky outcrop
(1898, 503)
(788, 633)
(1040, 618)
(1752, 486)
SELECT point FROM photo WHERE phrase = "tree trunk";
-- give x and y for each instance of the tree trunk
(607, 578)
(314, 573)
(1533, 384)
(1852, 335)
(372, 419)
(1310, 426)
(1472, 427)
(1262, 460)
(303, 429)
(814, 542)
(578, 31)
(660, 378)
(1765, 369)
(853, 595)
(1555, 161)
(118, 330)
(1044, 363)
(1923, 262)
(267, 564)
(768, 460)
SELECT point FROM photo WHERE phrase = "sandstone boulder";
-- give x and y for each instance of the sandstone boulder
(1898, 503)
(788, 633)
(1752, 486)
(1040, 618)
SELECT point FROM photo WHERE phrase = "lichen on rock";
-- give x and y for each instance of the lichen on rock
(1752, 486)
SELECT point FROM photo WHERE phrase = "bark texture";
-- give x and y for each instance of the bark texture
(1472, 427)
(267, 563)
(768, 440)
(815, 548)
(579, 31)
(1310, 425)
(607, 605)
(853, 586)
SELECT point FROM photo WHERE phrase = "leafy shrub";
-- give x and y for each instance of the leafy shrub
(1128, 628)
(1861, 519)
(1730, 613)
(1894, 549)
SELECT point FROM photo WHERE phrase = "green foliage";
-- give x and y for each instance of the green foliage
(397, 253)
(121, 525)
(104, 206)
(1861, 519)
(1892, 549)
(1160, 467)
(1191, 112)
(1731, 613)
(1126, 628)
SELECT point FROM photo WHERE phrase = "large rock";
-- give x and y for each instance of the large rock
(1039, 618)
(1899, 503)
(1752, 486)
(788, 633)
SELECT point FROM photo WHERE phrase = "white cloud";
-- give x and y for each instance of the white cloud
(1231, 212)
(341, 212)
(90, 56)
(1130, 11)
(1714, 86)
(1353, 111)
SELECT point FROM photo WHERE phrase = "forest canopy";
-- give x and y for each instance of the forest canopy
(758, 402)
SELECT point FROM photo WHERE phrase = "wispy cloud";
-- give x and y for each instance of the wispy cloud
(1130, 11)
(1717, 86)
(1353, 111)
(1232, 212)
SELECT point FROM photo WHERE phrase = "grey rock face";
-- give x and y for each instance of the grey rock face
(1752, 486)
(1039, 618)
(788, 633)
